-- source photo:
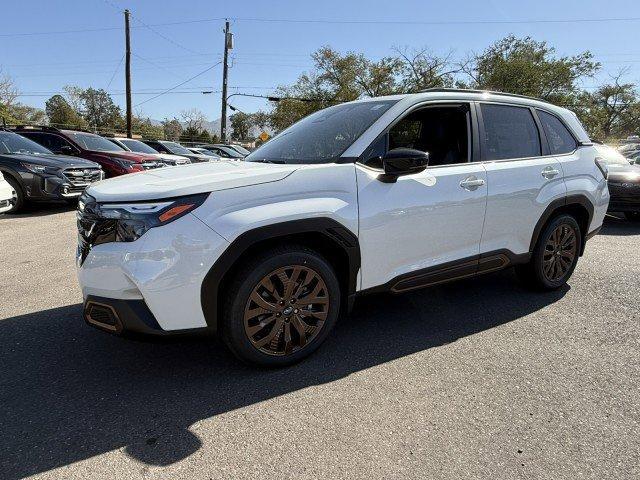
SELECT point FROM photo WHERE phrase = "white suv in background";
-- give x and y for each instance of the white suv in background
(384, 194)
(7, 195)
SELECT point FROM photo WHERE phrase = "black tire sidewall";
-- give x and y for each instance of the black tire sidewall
(538, 253)
(233, 332)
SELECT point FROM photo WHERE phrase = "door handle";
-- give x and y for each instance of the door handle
(471, 183)
(550, 172)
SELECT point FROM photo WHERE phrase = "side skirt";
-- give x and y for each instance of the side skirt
(448, 272)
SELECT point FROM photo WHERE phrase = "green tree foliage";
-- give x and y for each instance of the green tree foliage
(611, 111)
(60, 113)
(172, 129)
(241, 124)
(192, 134)
(527, 67)
(100, 111)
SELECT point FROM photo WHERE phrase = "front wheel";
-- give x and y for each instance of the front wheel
(555, 255)
(280, 307)
(18, 199)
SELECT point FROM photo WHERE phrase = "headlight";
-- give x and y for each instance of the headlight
(35, 168)
(132, 220)
(128, 165)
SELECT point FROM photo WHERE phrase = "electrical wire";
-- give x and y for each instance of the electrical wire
(179, 85)
(331, 22)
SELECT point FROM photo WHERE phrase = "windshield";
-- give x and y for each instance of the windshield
(14, 143)
(137, 146)
(230, 152)
(88, 141)
(322, 136)
(241, 149)
(176, 148)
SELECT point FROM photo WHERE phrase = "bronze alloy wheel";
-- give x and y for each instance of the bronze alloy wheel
(286, 310)
(560, 252)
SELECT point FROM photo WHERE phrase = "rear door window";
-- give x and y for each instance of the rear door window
(509, 132)
(559, 138)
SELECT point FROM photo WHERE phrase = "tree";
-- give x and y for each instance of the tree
(8, 90)
(193, 119)
(172, 129)
(60, 113)
(241, 124)
(100, 111)
(420, 69)
(143, 126)
(192, 134)
(527, 67)
(613, 110)
(340, 78)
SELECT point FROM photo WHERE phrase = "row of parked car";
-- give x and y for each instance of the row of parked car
(45, 164)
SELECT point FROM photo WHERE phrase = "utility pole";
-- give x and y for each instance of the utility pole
(127, 69)
(228, 45)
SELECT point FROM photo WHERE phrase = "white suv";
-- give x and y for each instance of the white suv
(385, 194)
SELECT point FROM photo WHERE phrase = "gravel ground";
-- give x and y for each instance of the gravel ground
(476, 379)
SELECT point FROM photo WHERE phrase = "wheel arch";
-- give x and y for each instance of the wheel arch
(335, 242)
(579, 206)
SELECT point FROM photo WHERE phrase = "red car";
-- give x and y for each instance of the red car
(111, 157)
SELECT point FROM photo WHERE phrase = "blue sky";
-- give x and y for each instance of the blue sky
(272, 53)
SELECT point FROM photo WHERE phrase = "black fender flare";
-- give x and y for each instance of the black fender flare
(556, 205)
(332, 231)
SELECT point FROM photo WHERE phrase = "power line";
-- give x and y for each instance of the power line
(114, 73)
(330, 22)
(179, 85)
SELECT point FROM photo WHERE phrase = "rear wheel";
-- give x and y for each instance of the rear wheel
(555, 255)
(633, 216)
(280, 307)
(18, 197)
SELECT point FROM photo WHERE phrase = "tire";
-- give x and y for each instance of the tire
(551, 263)
(20, 200)
(632, 216)
(258, 335)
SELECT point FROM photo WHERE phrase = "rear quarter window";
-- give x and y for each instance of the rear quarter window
(558, 136)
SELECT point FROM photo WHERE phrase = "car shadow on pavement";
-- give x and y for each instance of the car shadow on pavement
(41, 210)
(617, 224)
(69, 392)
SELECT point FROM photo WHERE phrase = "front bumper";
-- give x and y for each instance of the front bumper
(122, 317)
(164, 269)
(58, 187)
(624, 197)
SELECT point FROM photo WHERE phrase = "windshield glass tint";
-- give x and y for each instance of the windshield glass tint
(176, 148)
(230, 152)
(241, 149)
(89, 141)
(137, 146)
(14, 143)
(322, 136)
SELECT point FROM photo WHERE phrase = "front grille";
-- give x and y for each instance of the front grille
(82, 176)
(92, 229)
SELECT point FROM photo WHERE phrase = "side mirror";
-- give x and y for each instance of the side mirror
(67, 150)
(403, 161)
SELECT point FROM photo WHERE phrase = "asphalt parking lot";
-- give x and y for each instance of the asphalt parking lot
(476, 379)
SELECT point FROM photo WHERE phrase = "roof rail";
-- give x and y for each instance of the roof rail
(471, 90)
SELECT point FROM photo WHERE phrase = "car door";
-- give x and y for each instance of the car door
(425, 227)
(523, 179)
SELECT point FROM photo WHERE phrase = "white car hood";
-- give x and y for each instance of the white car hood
(187, 180)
